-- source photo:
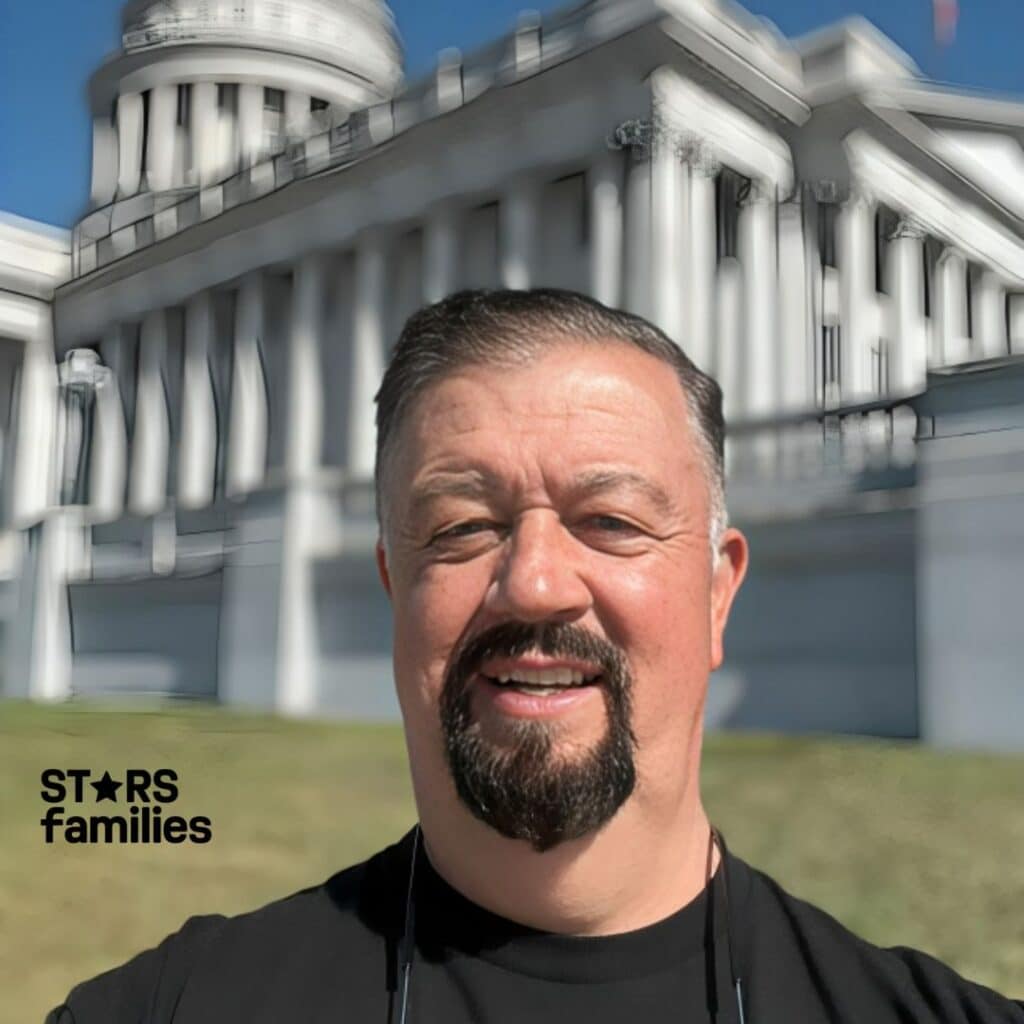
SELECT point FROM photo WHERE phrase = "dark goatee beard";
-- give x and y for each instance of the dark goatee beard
(522, 789)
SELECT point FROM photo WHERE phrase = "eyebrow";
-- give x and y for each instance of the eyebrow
(470, 484)
(475, 485)
(600, 480)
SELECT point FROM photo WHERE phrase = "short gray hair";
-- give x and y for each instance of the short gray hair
(504, 327)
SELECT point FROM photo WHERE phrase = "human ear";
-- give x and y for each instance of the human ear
(729, 569)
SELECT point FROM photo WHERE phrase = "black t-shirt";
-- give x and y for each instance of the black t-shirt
(330, 954)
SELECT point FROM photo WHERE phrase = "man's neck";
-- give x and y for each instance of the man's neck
(629, 874)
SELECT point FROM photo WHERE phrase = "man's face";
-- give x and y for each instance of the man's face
(548, 524)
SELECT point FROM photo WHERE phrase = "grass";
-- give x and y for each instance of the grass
(904, 845)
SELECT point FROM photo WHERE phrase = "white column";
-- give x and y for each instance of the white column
(638, 233)
(759, 257)
(908, 335)
(151, 442)
(796, 358)
(670, 208)
(858, 303)
(367, 353)
(250, 123)
(517, 234)
(298, 648)
(129, 143)
(440, 253)
(305, 367)
(296, 114)
(989, 308)
(33, 488)
(605, 183)
(1017, 322)
(163, 109)
(951, 303)
(37, 653)
(197, 453)
(104, 161)
(247, 432)
(109, 469)
(37, 642)
(701, 262)
(205, 133)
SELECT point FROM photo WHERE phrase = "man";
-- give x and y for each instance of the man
(554, 544)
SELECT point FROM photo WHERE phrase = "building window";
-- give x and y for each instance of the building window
(968, 283)
(480, 247)
(568, 196)
(931, 251)
(731, 189)
(184, 114)
(880, 366)
(227, 96)
(880, 253)
(828, 217)
(145, 130)
(320, 114)
(831, 365)
(273, 120)
(886, 223)
(926, 281)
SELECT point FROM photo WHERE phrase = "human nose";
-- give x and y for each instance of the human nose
(539, 579)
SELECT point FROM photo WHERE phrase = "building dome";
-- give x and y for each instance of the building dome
(356, 36)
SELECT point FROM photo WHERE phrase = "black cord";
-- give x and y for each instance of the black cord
(737, 981)
(407, 948)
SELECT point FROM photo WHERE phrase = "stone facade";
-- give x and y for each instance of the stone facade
(815, 222)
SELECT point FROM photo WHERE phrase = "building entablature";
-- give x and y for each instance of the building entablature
(979, 137)
(882, 174)
(710, 132)
(228, 64)
(371, 177)
(34, 258)
(352, 35)
(569, 41)
(543, 104)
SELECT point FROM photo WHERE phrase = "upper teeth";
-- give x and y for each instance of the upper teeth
(545, 676)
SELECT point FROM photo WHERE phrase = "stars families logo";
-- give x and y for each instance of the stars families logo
(138, 815)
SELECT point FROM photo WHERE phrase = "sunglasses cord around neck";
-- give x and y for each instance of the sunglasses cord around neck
(407, 947)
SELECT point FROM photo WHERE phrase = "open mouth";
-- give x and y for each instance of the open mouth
(543, 682)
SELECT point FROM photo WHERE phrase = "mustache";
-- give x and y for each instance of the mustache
(553, 639)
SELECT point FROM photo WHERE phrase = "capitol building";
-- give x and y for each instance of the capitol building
(186, 399)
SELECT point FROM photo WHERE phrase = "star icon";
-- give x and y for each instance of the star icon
(106, 788)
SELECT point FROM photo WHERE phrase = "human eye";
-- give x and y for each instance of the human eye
(468, 530)
(607, 531)
(612, 524)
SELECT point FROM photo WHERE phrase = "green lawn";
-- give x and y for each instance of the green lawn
(904, 845)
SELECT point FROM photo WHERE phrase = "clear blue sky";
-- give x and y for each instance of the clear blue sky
(48, 49)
